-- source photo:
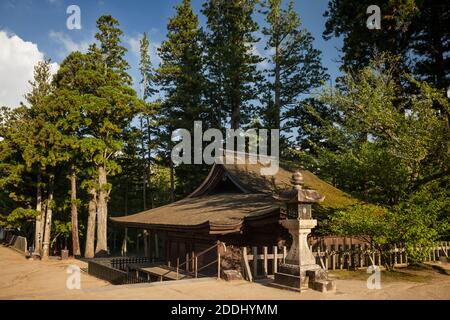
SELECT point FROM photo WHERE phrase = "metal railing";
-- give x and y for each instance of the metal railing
(117, 270)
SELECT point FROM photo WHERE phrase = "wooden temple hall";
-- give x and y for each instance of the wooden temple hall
(235, 205)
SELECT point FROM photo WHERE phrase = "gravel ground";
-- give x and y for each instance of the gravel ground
(25, 279)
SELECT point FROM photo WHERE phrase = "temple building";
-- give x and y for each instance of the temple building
(235, 204)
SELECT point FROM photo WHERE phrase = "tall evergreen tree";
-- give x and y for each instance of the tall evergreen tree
(114, 104)
(180, 76)
(145, 118)
(296, 66)
(111, 50)
(414, 30)
(39, 150)
(430, 42)
(233, 76)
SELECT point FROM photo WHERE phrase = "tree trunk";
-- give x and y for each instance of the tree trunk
(102, 214)
(48, 219)
(172, 183)
(90, 233)
(74, 214)
(149, 165)
(277, 88)
(40, 218)
(125, 238)
(235, 116)
(144, 174)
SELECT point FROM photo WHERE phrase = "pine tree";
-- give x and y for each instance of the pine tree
(296, 66)
(111, 50)
(430, 42)
(146, 125)
(38, 149)
(68, 103)
(113, 106)
(347, 19)
(233, 77)
(180, 76)
(415, 30)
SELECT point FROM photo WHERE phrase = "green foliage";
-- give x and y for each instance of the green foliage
(362, 220)
(416, 224)
(111, 51)
(181, 77)
(230, 61)
(381, 144)
(295, 66)
(415, 30)
(19, 216)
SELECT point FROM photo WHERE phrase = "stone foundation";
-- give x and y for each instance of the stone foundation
(300, 278)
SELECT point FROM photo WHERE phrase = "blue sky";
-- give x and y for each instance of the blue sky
(43, 23)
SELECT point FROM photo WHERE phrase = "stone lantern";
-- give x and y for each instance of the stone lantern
(300, 271)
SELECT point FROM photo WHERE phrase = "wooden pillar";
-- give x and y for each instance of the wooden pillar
(156, 255)
(255, 261)
(137, 242)
(168, 250)
(145, 238)
(150, 246)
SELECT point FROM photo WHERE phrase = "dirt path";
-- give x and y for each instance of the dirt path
(24, 279)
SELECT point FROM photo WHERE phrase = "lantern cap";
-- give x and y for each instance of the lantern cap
(297, 180)
(299, 195)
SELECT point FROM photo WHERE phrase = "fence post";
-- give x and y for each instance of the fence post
(333, 256)
(246, 265)
(265, 261)
(341, 257)
(362, 255)
(187, 262)
(401, 254)
(218, 260)
(275, 259)
(255, 261)
(395, 254)
(433, 248)
(196, 266)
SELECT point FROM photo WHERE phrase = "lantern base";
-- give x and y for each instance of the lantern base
(300, 278)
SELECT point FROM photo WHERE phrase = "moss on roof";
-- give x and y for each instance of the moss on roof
(249, 176)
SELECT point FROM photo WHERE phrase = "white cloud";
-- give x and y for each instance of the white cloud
(55, 2)
(68, 45)
(134, 45)
(17, 61)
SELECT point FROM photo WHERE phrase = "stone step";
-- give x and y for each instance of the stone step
(290, 280)
(324, 286)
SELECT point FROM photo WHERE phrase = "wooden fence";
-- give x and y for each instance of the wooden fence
(262, 262)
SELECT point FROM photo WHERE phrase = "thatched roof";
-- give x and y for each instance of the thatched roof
(218, 210)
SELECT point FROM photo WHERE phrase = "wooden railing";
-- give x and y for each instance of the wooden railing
(194, 270)
(260, 263)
